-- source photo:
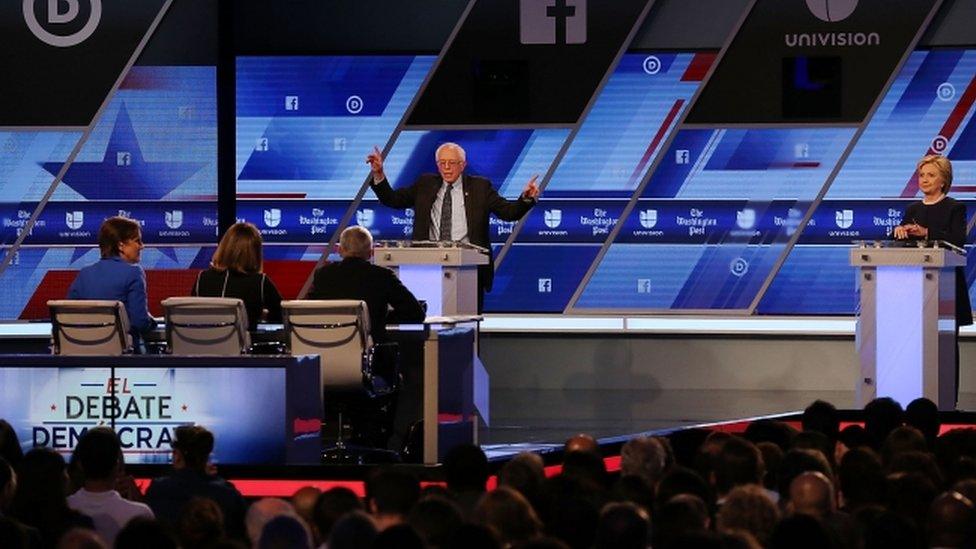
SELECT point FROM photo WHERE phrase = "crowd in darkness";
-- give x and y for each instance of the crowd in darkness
(893, 483)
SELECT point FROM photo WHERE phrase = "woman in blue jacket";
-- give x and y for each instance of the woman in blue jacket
(117, 276)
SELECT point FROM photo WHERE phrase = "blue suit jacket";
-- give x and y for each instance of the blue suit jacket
(113, 278)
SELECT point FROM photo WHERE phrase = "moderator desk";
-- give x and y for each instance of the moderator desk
(263, 410)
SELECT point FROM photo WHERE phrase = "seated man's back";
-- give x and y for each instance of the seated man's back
(356, 278)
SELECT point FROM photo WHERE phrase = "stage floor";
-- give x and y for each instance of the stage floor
(541, 420)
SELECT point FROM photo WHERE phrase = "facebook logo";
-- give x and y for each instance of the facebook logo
(291, 102)
(339, 144)
(552, 21)
(643, 285)
(801, 150)
(262, 145)
(545, 285)
(682, 156)
(123, 158)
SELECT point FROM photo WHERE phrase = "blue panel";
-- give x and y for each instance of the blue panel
(538, 278)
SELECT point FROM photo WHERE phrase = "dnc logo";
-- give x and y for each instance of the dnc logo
(844, 218)
(832, 11)
(648, 218)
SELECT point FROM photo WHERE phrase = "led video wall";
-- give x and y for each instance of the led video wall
(151, 157)
(710, 229)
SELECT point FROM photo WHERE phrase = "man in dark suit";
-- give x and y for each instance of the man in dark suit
(452, 206)
(356, 278)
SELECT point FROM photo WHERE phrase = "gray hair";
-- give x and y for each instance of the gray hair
(453, 146)
(355, 241)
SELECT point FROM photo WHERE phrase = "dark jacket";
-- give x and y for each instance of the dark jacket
(946, 221)
(355, 278)
(167, 496)
(480, 200)
(255, 289)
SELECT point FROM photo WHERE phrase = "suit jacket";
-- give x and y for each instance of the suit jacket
(946, 221)
(355, 278)
(113, 278)
(480, 200)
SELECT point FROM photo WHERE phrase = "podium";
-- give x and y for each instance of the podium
(444, 274)
(906, 329)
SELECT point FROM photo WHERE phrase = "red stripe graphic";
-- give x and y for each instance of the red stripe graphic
(698, 67)
(948, 130)
(661, 132)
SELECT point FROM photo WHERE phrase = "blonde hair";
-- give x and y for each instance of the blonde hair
(941, 164)
(239, 250)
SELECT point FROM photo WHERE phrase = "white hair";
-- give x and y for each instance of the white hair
(453, 146)
(355, 241)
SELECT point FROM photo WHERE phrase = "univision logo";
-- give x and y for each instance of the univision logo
(832, 11)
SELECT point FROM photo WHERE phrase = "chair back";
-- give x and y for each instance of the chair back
(89, 327)
(215, 326)
(337, 331)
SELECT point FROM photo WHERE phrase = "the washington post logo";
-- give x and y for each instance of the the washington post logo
(552, 21)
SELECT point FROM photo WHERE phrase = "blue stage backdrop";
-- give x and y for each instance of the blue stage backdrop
(707, 229)
(151, 157)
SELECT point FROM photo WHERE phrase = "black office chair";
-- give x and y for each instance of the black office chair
(358, 377)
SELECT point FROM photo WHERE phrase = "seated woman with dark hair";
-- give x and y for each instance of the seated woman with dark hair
(235, 271)
(117, 276)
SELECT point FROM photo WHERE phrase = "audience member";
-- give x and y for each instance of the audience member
(143, 532)
(951, 521)
(634, 489)
(923, 415)
(645, 457)
(40, 500)
(474, 536)
(623, 525)
(509, 514)
(737, 463)
(749, 508)
(400, 536)
(355, 530)
(10, 445)
(881, 417)
(681, 480)
(800, 532)
(581, 443)
(862, 481)
(911, 495)
(332, 505)
(436, 519)
(812, 493)
(770, 430)
(682, 514)
(191, 478)
(822, 417)
(81, 538)
(886, 530)
(99, 454)
(285, 532)
(772, 457)
(902, 439)
(525, 473)
(201, 523)
(587, 467)
(262, 512)
(236, 270)
(796, 462)
(303, 500)
(390, 494)
(571, 511)
(814, 440)
(13, 533)
(466, 472)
